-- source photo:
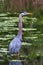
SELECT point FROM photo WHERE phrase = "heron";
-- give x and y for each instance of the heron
(15, 44)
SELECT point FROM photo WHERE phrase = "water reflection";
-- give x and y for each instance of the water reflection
(15, 63)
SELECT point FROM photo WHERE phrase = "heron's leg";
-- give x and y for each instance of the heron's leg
(18, 55)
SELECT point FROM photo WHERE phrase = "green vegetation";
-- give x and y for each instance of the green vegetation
(32, 42)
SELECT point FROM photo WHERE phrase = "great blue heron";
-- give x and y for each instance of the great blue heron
(15, 44)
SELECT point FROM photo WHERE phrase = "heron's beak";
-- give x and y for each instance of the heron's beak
(29, 13)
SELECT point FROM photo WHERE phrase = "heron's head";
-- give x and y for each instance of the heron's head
(25, 13)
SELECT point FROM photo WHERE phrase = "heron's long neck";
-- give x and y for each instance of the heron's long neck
(20, 26)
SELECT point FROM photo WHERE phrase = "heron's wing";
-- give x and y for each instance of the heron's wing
(15, 45)
(12, 46)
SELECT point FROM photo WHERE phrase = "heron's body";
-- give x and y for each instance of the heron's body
(15, 45)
